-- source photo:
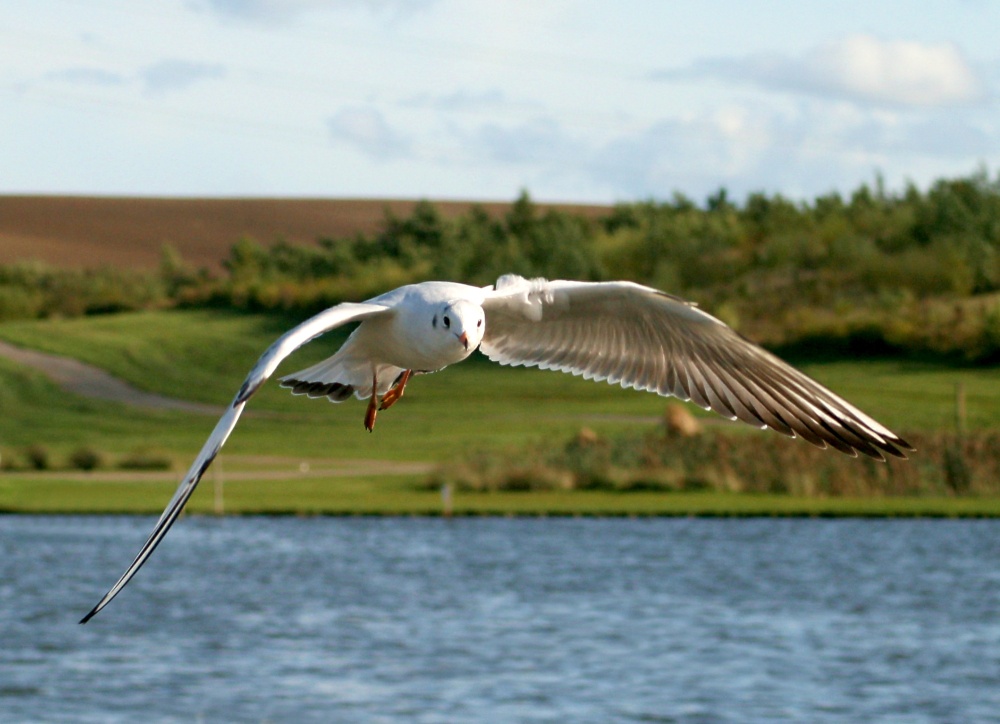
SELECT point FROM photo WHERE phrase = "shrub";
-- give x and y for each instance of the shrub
(146, 459)
(37, 457)
(85, 458)
(7, 460)
(874, 266)
(734, 462)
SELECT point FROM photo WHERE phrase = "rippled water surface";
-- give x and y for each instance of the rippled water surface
(328, 619)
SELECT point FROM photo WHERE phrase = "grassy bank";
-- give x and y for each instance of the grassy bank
(374, 496)
(204, 355)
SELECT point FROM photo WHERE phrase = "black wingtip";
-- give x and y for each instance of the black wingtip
(244, 394)
(90, 615)
(247, 390)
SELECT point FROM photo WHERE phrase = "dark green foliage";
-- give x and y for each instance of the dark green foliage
(736, 463)
(37, 457)
(917, 271)
(146, 459)
(85, 458)
(31, 290)
(475, 248)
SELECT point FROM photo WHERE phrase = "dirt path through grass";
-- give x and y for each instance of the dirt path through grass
(88, 381)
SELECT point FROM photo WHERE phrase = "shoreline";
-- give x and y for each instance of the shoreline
(264, 498)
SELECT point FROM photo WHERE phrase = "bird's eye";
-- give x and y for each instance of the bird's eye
(447, 322)
(479, 323)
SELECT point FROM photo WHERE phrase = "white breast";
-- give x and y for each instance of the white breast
(408, 339)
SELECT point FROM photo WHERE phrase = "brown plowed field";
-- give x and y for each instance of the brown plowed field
(83, 231)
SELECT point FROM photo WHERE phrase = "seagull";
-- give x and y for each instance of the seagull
(621, 332)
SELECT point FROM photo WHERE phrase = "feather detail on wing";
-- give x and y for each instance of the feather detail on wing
(268, 362)
(645, 339)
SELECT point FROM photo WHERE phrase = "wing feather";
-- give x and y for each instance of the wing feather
(639, 337)
(268, 362)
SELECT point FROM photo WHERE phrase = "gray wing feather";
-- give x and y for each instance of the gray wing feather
(268, 362)
(645, 339)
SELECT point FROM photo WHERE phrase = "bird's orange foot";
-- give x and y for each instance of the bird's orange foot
(390, 397)
(372, 406)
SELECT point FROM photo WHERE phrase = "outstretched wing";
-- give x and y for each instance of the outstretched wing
(643, 338)
(268, 362)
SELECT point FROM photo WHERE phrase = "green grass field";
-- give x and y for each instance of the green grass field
(403, 496)
(204, 355)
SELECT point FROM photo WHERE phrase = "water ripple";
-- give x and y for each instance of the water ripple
(426, 620)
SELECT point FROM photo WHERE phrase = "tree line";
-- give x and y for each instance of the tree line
(913, 271)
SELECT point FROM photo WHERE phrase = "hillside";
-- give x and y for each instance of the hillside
(875, 272)
(80, 231)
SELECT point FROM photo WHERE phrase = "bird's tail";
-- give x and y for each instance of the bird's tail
(341, 376)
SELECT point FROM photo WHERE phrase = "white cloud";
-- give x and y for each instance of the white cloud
(538, 141)
(949, 137)
(480, 99)
(366, 129)
(696, 153)
(86, 77)
(802, 150)
(860, 68)
(896, 72)
(467, 101)
(281, 11)
(174, 75)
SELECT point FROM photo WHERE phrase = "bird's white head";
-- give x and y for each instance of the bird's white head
(462, 321)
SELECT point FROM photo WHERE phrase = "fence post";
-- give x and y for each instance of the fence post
(446, 504)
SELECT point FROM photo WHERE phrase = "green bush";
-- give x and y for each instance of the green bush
(733, 462)
(888, 267)
(86, 458)
(146, 459)
(8, 461)
(37, 457)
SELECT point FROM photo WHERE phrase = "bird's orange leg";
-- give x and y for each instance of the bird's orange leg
(372, 405)
(390, 397)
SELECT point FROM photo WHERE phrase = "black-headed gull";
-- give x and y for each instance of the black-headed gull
(621, 332)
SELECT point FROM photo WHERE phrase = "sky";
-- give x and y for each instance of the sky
(589, 101)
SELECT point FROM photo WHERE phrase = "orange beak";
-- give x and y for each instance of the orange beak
(464, 339)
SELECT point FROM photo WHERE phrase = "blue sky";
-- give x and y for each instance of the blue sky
(574, 101)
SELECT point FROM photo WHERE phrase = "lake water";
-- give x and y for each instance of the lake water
(502, 620)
